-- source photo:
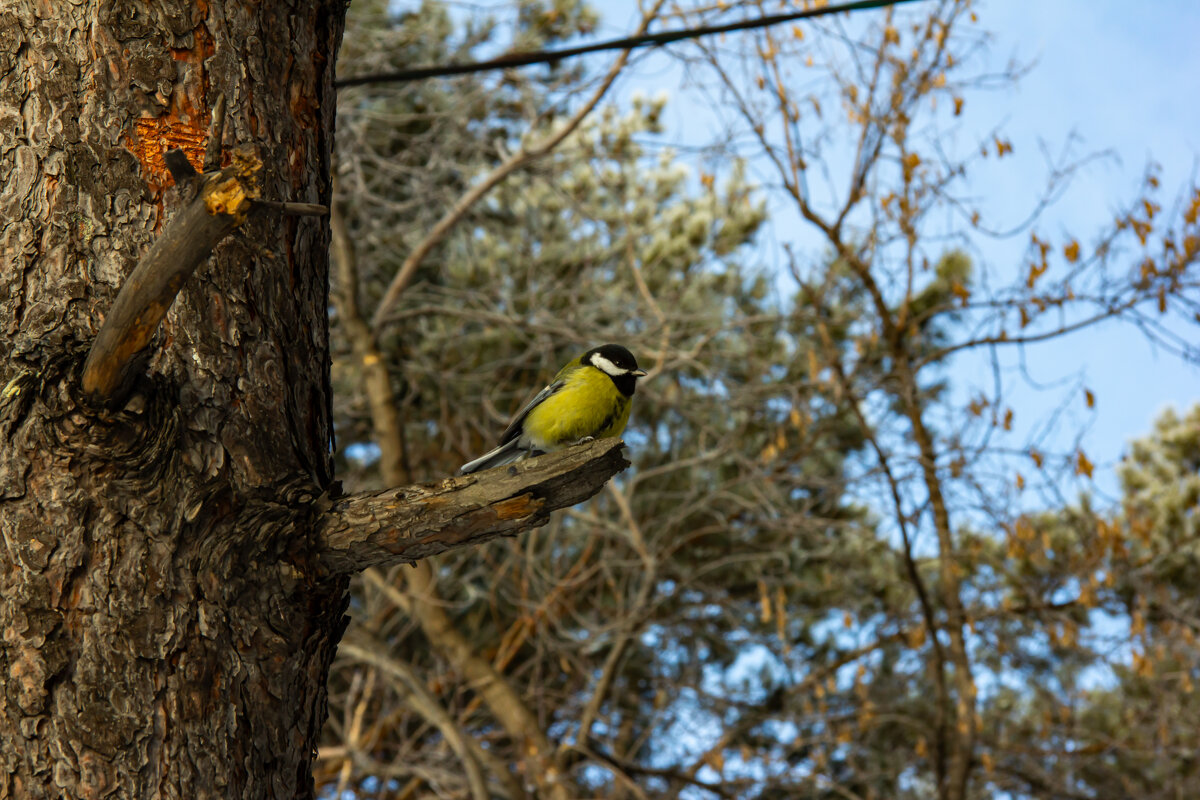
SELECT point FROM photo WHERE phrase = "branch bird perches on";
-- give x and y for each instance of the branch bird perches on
(378, 529)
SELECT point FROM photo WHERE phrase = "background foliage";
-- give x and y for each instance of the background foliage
(826, 575)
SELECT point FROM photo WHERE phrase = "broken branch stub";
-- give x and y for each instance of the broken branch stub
(224, 200)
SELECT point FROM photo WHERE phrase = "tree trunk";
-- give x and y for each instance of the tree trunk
(165, 631)
(173, 571)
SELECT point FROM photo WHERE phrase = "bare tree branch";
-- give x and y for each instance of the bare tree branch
(376, 378)
(514, 162)
(640, 39)
(427, 705)
(415, 522)
(632, 619)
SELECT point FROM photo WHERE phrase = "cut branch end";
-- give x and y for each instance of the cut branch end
(188, 239)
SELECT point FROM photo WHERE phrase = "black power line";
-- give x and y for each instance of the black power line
(628, 43)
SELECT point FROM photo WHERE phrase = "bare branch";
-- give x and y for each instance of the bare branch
(354, 714)
(415, 522)
(632, 620)
(640, 39)
(517, 160)
(376, 377)
(421, 700)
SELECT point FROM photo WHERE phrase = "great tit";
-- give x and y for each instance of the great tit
(589, 398)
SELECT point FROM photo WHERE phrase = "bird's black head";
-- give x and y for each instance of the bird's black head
(617, 363)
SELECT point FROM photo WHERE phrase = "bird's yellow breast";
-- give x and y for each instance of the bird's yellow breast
(588, 405)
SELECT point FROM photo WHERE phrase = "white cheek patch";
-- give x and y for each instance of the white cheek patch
(604, 365)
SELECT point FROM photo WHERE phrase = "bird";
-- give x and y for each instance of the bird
(589, 398)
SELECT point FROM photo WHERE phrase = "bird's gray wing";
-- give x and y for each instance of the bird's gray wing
(514, 428)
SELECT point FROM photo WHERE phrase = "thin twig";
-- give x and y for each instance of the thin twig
(427, 705)
(293, 209)
(354, 729)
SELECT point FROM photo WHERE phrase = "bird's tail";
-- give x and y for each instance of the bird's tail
(504, 454)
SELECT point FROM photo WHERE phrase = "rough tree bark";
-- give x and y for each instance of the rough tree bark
(172, 575)
(163, 632)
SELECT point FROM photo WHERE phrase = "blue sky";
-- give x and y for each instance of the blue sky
(1122, 79)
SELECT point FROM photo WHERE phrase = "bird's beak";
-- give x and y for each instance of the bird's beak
(638, 373)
